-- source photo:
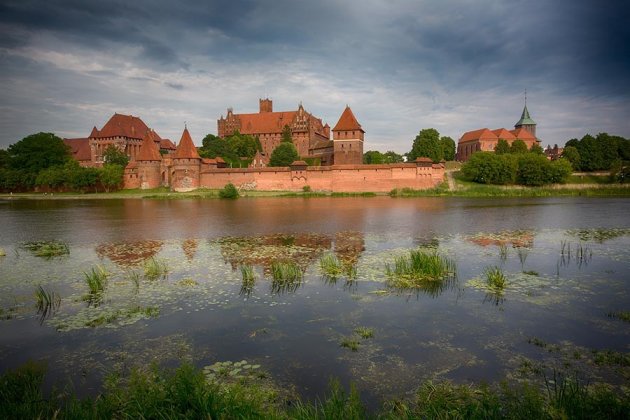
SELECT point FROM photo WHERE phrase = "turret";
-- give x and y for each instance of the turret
(186, 165)
(348, 140)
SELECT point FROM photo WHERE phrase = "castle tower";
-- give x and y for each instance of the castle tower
(526, 122)
(148, 163)
(348, 140)
(186, 165)
(266, 105)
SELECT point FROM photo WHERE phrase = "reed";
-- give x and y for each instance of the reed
(495, 277)
(330, 265)
(419, 268)
(349, 343)
(249, 279)
(286, 276)
(47, 302)
(96, 280)
(155, 268)
(503, 252)
(364, 332)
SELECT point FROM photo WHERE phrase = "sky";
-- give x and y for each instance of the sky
(401, 65)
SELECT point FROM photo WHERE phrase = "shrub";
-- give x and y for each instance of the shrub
(491, 168)
(283, 155)
(229, 191)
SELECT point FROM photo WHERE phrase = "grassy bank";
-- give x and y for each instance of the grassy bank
(187, 393)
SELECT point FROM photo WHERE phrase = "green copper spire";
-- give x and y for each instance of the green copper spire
(525, 119)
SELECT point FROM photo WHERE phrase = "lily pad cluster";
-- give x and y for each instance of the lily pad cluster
(231, 371)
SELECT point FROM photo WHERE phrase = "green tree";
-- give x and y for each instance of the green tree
(448, 148)
(243, 145)
(372, 157)
(502, 147)
(490, 168)
(426, 144)
(229, 191)
(533, 170)
(286, 135)
(38, 151)
(571, 154)
(4, 158)
(114, 156)
(111, 176)
(536, 149)
(392, 157)
(518, 146)
(559, 171)
(283, 155)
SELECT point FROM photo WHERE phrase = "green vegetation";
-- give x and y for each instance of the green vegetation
(622, 315)
(155, 268)
(306, 188)
(229, 191)
(47, 302)
(286, 135)
(349, 343)
(237, 150)
(611, 358)
(495, 277)
(122, 314)
(351, 194)
(283, 155)
(364, 332)
(531, 273)
(332, 268)
(96, 280)
(419, 268)
(187, 392)
(503, 252)
(249, 279)
(286, 276)
(429, 144)
(47, 249)
(597, 153)
(3, 253)
(114, 156)
(373, 157)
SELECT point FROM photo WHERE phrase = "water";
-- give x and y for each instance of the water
(463, 332)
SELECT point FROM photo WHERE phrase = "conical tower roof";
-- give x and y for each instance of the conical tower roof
(347, 121)
(525, 119)
(148, 149)
(186, 148)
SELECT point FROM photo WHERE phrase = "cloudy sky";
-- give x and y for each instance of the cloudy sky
(402, 65)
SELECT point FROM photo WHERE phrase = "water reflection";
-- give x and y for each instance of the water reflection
(128, 254)
(515, 238)
(189, 246)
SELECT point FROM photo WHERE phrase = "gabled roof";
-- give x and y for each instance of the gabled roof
(94, 132)
(522, 134)
(265, 122)
(166, 144)
(481, 134)
(525, 119)
(124, 126)
(347, 121)
(186, 148)
(502, 133)
(148, 149)
(80, 148)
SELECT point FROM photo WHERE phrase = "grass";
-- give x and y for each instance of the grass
(286, 276)
(249, 279)
(47, 249)
(184, 392)
(349, 343)
(503, 252)
(96, 280)
(495, 278)
(330, 265)
(47, 302)
(364, 332)
(531, 273)
(155, 268)
(622, 315)
(611, 358)
(418, 269)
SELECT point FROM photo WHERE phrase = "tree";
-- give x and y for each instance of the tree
(229, 191)
(536, 149)
(213, 146)
(571, 154)
(490, 168)
(392, 157)
(286, 135)
(4, 158)
(243, 145)
(372, 157)
(38, 151)
(111, 176)
(448, 148)
(283, 155)
(518, 146)
(426, 144)
(113, 155)
(502, 147)
(532, 170)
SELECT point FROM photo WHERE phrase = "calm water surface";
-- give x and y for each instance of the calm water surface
(566, 260)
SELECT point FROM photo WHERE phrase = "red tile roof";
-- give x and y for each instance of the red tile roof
(148, 149)
(481, 134)
(120, 125)
(521, 133)
(186, 148)
(80, 148)
(265, 122)
(347, 121)
(502, 133)
(167, 144)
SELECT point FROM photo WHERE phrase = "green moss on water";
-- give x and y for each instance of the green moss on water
(622, 315)
(47, 249)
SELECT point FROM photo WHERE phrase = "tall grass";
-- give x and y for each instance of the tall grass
(419, 268)
(249, 279)
(96, 280)
(286, 276)
(503, 252)
(47, 302)
(155, 268)
(495, 277)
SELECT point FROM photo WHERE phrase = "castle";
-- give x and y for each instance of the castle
(156, 162)
(310, 137)
(484, 139)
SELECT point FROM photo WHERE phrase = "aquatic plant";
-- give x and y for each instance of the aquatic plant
(96, 280)
(2, 252)
(232, 371)
(134, 276)
(122, 314)
(522, 255)
(622, 315)
(286, 276)
(611, 358)
(419, 268)
(155, 268)
(531, 273)
(495, 277)
(330, 265)
(47, 249)
(47, 302)
(349, 343)
(249, 279)
(503, 252)
(364, 332)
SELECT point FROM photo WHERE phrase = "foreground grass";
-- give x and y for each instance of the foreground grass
(185, 393)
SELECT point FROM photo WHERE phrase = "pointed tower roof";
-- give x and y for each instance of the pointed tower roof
(94, 132)
(347, 121)
(186, 148)
(148, 149)
(525, 119)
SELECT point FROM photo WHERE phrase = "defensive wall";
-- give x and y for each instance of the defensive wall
(336, 178)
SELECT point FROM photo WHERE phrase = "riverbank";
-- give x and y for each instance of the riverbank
(453, 186)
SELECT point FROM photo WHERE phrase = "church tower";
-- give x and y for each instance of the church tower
(348, 140)
(526, 121)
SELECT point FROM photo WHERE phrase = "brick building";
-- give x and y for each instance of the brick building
(486, 140)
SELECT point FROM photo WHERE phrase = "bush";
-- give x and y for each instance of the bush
(229, 191)
(533, 170)
(283, 155)
(491, 168)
